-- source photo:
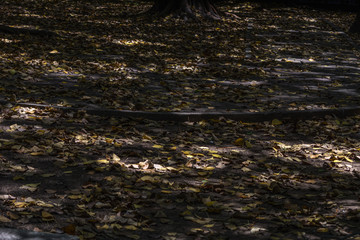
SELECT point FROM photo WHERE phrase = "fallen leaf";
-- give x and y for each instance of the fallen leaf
(157, 146)
(276, 122)
(4, 219)
(46, 215)
(32, 187)
(239, 142)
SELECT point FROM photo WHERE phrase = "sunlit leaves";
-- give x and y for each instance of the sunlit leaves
(187, 167)
(4, 219)
(157, 146)
(32, 187)
(276, 122)
(46, 216)
(100, 177)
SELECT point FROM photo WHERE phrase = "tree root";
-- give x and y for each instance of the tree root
(14, 30)
(186, 9)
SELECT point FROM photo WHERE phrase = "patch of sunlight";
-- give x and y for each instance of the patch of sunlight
(25, 110)
(182, 67)
(25, 26)
(5, 40)
(136, 42)
(309, 19)
(295, 60)
(33, 15)
(257, 229)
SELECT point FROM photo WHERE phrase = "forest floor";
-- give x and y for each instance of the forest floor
(68, 166)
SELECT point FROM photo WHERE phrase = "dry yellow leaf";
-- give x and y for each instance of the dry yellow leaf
(130, 227)
(115, 157)
(147, 137)
(348, 159)
(18, 177)
(59, 144)
(203, 173)
(199, 220)
(46, 215)
(157, 146)
(276, 122)
(230, 226)
(322, 230)
(209, 225)
(210, 203)
(245, 169)
(239, 142)
(75, 196)
(242, 195)
(20, 204)
(191, 189)
(102, 161)
(209, 168)
(4, 219)
(166, 191)
(43, 204)
(172, 169)
(149, 179)
(36, 153)
(32, 187)
(13, 216)
(248, 144)
(12, 71)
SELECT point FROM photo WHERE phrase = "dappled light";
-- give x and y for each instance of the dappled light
(165, 65)
(141, 178)
(119, 125)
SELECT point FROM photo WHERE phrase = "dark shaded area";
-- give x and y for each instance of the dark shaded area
(259, 192)
(355, 27)
(208, 71)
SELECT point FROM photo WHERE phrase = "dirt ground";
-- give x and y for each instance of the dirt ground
(103, 177)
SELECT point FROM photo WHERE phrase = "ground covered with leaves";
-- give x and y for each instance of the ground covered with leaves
(92, 54)
(103, 177)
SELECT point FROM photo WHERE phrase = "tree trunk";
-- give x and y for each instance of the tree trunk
(185, 8)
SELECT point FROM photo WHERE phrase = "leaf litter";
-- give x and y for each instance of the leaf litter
(107, 178)
(101, 60)
(298, 178)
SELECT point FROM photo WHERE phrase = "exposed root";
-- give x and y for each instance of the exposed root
(186, 9)
(36, 32)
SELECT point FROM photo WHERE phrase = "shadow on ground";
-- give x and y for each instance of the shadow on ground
(105, 178)
(294, 61)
